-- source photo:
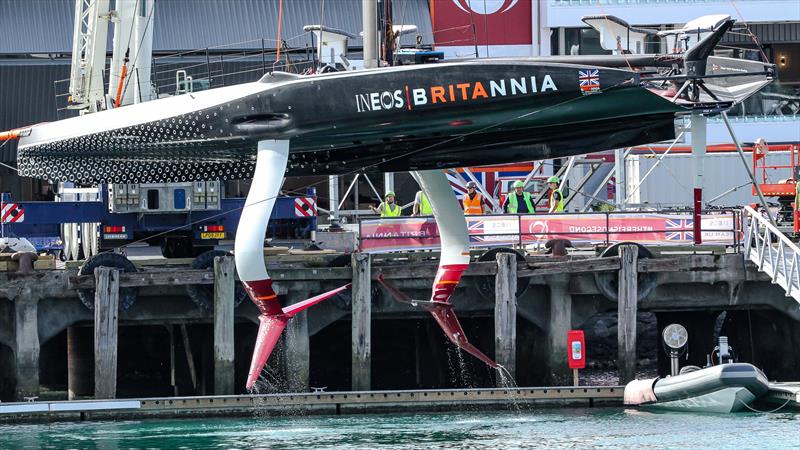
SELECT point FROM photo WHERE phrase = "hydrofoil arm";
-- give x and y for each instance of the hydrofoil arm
(271, 162)
(453, 262)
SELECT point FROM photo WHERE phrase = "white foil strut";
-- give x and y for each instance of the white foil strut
(267, 180)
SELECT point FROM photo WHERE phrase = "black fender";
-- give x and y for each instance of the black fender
(203, 294)
(127, 295)
(485, 285)
(608, 283)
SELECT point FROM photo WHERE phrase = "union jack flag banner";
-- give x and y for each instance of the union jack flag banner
(679, 229)
(589, 80)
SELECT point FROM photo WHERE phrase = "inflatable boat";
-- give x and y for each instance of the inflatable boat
(719, 389)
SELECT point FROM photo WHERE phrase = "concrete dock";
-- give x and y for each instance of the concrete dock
(332, 403)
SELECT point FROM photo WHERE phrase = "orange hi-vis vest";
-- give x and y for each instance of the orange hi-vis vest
(473, 205)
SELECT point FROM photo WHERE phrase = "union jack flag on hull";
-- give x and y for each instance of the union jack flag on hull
(679, 229)
(589, 80)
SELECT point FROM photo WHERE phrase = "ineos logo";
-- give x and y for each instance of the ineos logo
(485, 7)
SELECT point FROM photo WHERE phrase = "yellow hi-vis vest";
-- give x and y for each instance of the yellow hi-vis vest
(424, 205)
(473, 205)
(387, 210)
(560, 203)
(512, 202)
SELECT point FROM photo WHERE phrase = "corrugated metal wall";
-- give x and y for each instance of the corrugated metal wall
(672, 182)
(45, 26)
(27, 96)
(767, 33)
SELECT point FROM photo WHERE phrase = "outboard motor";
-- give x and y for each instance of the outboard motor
(724, 352)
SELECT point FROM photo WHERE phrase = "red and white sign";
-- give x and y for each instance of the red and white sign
(305, 207)
(12, 213)
(495, 27)
(416, 233)
(576, 352)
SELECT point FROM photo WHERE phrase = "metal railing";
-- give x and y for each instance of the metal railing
(772, 252)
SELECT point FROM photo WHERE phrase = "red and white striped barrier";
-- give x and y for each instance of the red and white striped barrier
(12, 213)
(305, 207)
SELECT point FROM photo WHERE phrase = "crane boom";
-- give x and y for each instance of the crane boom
(88, 55)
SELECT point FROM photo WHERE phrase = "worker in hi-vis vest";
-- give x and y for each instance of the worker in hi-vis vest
(556, 199)
(518, 201)
(422, 207)
(388, 207)
(472, 202)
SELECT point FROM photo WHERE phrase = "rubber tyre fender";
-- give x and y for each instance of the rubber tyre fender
(203, 294)
(127, 296)
(486, 286)
(608, 283)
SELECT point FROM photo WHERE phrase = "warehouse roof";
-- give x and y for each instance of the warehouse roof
(45, 26)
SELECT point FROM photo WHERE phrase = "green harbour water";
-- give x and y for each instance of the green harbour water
(546, 428)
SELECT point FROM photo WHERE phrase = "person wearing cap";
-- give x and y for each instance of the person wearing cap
(518, 201)
(388, 207)
(472, 202)
(556, 199)
(422, 207)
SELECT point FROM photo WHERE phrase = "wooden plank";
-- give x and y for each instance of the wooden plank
(106, 309)
(419, 269)
(570, 266)
(361, 326)
(154, 278)
(224, 278)
(162, 262)
(627, 307)
(276, 251)
(659, 250)
(44, 264)
(685, 263)
(312, 252)
(505, 314)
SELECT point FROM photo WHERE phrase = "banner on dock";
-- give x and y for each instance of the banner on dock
(421, 233)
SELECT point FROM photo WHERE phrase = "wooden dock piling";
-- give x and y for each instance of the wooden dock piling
(224, 277)
(626, 310)
(106, 311)
(361, 316)
(505, 313)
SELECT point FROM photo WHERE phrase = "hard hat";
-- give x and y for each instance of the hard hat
(519, 184)
(388, 193)
(553, 179)
(472, 184)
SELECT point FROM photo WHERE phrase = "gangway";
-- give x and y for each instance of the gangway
(772, 252)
